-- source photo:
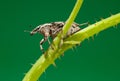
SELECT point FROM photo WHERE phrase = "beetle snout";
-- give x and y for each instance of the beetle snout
(31, 33)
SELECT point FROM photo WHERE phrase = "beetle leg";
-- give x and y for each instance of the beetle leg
(42, 41)
(49, 41)
(41, 48)
(57, 30)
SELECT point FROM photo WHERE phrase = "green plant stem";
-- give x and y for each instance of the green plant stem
(72, 16)
(90, 31)
(51, 54)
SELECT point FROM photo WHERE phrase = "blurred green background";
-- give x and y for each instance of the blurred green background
(96, 59)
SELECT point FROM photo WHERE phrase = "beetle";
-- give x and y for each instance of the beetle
(52, 29)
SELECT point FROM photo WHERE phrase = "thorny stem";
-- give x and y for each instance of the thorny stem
(52, 54)
(91, 31)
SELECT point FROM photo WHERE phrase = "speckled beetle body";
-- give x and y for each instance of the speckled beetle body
(52, 30)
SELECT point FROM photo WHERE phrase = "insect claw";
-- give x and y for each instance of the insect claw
(42, 49)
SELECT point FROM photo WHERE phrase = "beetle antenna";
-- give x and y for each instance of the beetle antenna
(27, 31)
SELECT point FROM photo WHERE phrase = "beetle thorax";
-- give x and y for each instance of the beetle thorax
(45, 28)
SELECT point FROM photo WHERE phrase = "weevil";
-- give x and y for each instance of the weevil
(52, 29)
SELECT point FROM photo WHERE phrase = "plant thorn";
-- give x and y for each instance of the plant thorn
(54, 64)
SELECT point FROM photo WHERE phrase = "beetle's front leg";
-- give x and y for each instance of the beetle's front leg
(42, 41)
(41, 48)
